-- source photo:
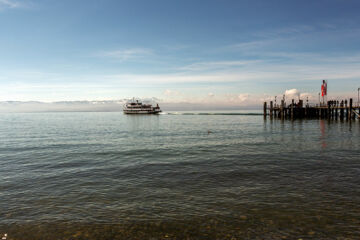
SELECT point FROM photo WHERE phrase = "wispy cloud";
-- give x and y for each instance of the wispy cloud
(217, 65)
(251, 45)
(302, 37)
(171, 93)
(286, 31)
(267, 38)
(128, 54)
(10, 4)
(176, 47)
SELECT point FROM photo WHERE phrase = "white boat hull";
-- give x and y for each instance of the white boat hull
(141, 111)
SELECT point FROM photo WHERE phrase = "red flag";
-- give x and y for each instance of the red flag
(322, 90)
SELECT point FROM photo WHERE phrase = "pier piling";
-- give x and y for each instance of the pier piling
(346, 111)
(265, 112)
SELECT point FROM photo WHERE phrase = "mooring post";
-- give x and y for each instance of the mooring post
(346, 110)
(331, 110)
(328, 110)
(271, 109)
(350, 109)
(292, 109)
(265, 109)
(301, 110)
(336, 109)
(282, 109)
(342, 110)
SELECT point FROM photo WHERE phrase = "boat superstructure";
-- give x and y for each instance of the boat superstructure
(136, 107)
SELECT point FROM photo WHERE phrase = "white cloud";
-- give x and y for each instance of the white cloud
(296, 94)
(211, 94)
(292, 94)
(307, 96)
(236, 98)
(243, 97)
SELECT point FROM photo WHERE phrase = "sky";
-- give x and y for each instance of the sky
(231, 53)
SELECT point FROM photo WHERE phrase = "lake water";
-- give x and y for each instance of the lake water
(177, 176)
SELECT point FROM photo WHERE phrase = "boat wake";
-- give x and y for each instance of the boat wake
(210, 113)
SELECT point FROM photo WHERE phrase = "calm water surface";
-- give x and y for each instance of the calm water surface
(176, 176)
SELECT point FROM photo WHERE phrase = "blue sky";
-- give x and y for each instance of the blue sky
(225, 52)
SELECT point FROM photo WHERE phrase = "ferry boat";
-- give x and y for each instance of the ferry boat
(136, 107)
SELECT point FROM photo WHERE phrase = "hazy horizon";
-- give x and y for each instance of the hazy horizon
(108, 106)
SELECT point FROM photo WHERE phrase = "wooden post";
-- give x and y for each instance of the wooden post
(342, 110)
(336, 109)
(328, 110)
(292, 109)
(331, 110)
(282, 109)
(271, 109)
(351, 108)
(346, 110)
(301, 110)
(265, 109)
(301, 103)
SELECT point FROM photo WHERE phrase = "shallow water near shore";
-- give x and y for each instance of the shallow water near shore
(217, 175)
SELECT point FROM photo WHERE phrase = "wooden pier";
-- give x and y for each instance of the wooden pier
(343, 110)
